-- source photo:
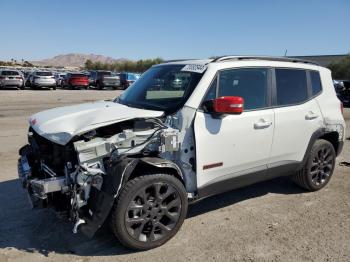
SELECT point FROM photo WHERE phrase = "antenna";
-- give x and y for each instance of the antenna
(285, 53)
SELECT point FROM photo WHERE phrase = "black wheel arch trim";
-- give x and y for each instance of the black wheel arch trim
(118, 171)
(316, 135)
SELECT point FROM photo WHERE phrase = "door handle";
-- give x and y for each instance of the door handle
(311, 115)
(263, 123)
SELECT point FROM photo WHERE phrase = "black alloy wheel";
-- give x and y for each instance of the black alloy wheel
(322, 166)
(318, 168)
(149, 211)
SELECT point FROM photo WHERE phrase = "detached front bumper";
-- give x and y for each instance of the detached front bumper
(45, 189)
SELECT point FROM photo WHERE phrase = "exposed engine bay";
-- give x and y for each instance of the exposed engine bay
(83, 177)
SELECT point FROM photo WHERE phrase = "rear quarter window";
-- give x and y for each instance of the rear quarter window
(316, 85)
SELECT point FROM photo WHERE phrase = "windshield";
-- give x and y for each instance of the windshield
(105, 73)
(10, 73)
(43, 73)
(78, 75)
(164, 88)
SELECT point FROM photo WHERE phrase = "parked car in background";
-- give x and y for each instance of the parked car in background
(59, 77)
(40, 79)
(75, 80)
(127, 79)
(102, 79)
(342, 88)
(11, 78)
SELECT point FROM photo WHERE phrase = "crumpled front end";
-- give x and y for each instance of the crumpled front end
(83, 177)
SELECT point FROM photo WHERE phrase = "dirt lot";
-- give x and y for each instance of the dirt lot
(270, 221)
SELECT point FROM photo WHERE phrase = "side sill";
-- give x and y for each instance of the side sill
(284, 168)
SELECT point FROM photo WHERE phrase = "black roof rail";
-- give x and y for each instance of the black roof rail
(179, 60)
(267, 58)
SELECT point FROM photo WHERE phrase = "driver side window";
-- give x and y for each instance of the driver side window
(249, 83)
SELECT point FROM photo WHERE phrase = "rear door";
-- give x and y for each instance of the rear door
(230, 146)
(297, 114)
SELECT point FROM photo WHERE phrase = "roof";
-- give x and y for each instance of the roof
(238, 58)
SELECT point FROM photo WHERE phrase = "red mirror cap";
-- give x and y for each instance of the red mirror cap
(228, 105)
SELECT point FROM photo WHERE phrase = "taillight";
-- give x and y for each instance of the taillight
(341, 108)
(2, 77)
(18, 77)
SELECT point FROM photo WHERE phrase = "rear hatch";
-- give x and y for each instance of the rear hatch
(79, 79)
(109, 79)
(10, 77)
(44, 77)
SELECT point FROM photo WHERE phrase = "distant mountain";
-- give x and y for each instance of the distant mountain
(76, 60)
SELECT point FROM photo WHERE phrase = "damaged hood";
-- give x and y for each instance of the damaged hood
(60, 125)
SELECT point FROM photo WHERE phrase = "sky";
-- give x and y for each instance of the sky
(137, 29)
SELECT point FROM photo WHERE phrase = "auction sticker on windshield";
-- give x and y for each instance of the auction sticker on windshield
(194, 68)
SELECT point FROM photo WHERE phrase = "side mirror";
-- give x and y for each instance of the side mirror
(228, 105)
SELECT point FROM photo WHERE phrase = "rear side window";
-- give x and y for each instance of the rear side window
(249, 83)
(291, 86)
(43, 73)
(316, 86)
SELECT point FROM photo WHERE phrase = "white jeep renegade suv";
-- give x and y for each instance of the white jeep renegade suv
(184, 131)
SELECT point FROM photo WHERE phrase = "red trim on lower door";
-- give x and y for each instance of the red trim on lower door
(212, 165)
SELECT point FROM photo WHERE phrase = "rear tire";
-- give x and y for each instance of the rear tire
(99, 86)
(318, 168)
(149, 211)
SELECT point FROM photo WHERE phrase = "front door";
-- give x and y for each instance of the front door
(230, 146)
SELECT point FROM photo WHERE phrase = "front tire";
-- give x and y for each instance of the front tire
(149, 211)
(319, 167)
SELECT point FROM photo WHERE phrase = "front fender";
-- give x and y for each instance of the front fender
(119, 171)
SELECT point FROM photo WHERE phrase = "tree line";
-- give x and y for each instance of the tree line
(15, 63)
(341, 69)
(124, 65)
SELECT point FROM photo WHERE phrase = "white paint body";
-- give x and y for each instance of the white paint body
(231, 140)
(60, 125)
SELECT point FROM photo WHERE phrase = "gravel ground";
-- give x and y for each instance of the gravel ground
(270, 221)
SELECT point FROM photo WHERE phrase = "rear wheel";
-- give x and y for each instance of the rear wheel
(99, 86)
(319, 167)
(149, 211)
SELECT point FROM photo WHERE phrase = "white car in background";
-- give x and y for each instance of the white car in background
(141, 158)
(40, 79)
(11, 78)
